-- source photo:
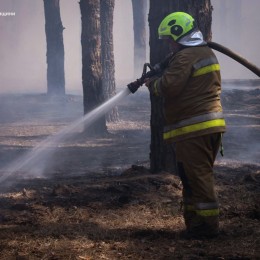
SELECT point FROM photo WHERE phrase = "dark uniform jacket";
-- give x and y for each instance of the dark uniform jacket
(191, 87)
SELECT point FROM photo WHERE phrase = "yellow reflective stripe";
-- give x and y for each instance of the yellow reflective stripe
(194, 128)
(207, 212)
(155, 90)
(206, 69)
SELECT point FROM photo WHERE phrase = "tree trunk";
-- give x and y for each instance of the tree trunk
(161, 156)
(139, 23)
(91, 62)
(55, 48)
(107, 55)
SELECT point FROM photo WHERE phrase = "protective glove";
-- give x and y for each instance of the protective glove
(152, 86)
(149, 82)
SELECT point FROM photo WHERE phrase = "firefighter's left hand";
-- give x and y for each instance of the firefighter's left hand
(148, 82)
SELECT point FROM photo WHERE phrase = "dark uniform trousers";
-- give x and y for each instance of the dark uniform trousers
(195, 158)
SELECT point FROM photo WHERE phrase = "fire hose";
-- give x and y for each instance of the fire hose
(159, 67)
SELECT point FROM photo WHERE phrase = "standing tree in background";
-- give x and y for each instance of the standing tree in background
(91, 61)
(55, 48)
(161, 156)
(107, 54)
(139, 23)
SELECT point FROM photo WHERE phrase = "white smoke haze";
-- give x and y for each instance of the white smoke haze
(36, 160)
(23, 43)
(235, 25)
(22, 63)
(23, 66)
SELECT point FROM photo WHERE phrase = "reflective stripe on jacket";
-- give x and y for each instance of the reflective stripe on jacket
(205, 66)
(194, 124)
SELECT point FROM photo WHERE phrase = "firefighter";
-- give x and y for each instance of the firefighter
(194, 123)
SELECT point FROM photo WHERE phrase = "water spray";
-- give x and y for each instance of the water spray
(52, 141)
(41, 150)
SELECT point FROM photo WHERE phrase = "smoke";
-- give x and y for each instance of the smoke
(23, 55)
(23, 43)
(37, 159)
(240, 143)
(241, 112)
(22, 52)
(234, 25)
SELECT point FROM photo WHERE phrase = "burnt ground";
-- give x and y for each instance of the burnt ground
(94, 197)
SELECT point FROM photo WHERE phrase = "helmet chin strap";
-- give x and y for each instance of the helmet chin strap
(234, 56)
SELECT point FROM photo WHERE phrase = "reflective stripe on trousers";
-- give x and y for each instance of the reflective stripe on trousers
(203, 209)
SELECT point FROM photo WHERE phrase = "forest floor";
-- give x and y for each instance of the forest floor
(94, 197)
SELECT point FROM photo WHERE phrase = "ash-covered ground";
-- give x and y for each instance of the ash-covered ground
(94, 197)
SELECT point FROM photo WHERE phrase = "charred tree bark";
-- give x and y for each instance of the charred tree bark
(139, 22)
(107, 55)
(91, 62)
(55, 48)
(161, 156)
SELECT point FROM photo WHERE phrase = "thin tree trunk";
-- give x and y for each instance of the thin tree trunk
(107, 55)
(161, 155)
(91, 62)
(55, 48)
(139, 23)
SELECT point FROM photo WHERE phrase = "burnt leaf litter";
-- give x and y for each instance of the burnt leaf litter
(96, 198)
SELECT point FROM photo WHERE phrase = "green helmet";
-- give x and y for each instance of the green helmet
(176, 25)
